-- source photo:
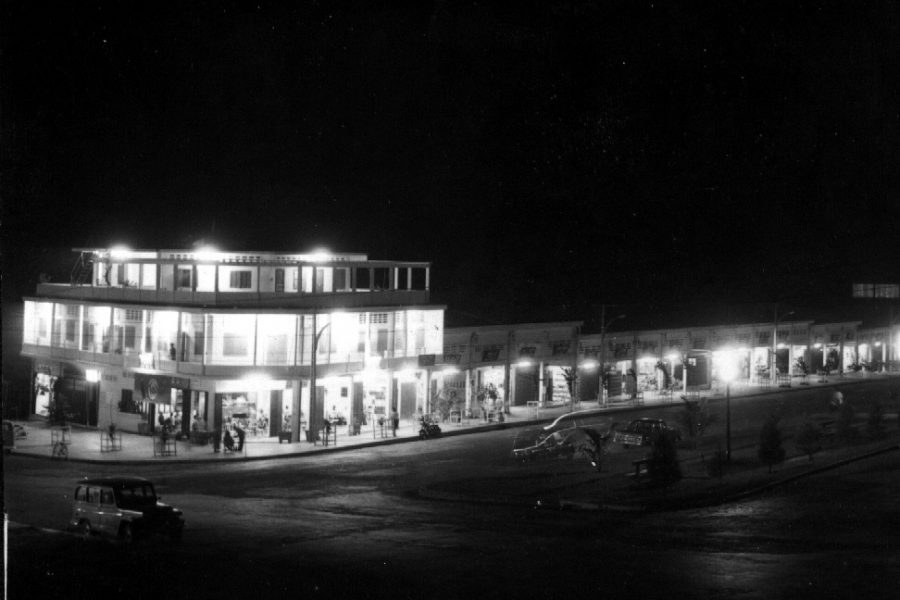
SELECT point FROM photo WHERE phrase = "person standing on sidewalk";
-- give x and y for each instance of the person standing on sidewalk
(395, 420)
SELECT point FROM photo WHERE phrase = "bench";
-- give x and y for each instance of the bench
(164, 446)
(325, 434)
(641, 467)
(827, 429)
(110, 442)
(200, 437)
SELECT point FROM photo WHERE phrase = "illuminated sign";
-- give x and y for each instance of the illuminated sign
(158, 388)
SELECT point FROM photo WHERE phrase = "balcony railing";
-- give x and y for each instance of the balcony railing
(134, 295)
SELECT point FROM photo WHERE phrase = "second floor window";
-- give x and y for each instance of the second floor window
(184, 278)
(240, 280)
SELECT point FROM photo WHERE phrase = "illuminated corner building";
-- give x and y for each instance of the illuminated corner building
(212, 337)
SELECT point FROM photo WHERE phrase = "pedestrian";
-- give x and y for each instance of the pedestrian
(241, 434)
(229, 441)
(395, 420)
(837, 400)
(172, 351)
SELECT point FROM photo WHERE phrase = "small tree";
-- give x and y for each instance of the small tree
(663, 467)
(716, 464)
(696, 417)
(571, 377)
(809, 440)
(771, 452)
(875, 424)
(844, 424)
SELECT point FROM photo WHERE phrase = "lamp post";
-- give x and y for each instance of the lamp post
(727, 373)
(313, 399)
(604, 325)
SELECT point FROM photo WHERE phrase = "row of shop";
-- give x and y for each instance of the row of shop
(482, 370)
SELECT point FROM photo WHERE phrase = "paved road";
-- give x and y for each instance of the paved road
(352, 525)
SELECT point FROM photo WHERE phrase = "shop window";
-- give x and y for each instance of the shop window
(127, 403)
(240, 280)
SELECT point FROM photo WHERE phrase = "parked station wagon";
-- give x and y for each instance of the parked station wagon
(123, 507)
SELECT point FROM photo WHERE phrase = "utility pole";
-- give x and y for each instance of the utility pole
(603, 326)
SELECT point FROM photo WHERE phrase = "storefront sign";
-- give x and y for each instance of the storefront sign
(157, 388)
(452, 359)
(527, 351)
(426, 360)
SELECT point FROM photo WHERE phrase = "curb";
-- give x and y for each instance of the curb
(590, 412)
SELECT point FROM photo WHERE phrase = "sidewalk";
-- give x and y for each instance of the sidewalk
(85, 444)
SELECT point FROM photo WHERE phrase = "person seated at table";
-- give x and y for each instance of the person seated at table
(241, 434)
(229, 441)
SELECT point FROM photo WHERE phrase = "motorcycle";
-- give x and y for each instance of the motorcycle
(428, 428)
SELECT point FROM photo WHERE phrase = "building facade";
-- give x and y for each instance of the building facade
(203, 338)
(209, 339)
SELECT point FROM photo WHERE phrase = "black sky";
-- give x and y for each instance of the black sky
(632, 152)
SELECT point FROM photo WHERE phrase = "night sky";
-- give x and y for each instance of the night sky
(547, 157)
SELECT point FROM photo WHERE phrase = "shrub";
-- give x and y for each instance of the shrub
(809, 440)
(663, 467)
(844, 425)
(771, 451)
(875, 424)
(696, 417)
(716, 465)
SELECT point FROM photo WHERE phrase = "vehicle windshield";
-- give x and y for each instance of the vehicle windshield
(136, 496)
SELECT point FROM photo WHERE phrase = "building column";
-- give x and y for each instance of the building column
(507, 367)
(469, 390)
(542, 395)
(297, 396)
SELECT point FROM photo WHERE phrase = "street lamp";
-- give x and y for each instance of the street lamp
(727, 373)
(604, 325)
(313, 399)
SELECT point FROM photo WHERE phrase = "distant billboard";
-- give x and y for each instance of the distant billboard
(876, 290)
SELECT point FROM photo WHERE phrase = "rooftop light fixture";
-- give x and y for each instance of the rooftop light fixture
(206, 253)
(320, 255)
(120, 252)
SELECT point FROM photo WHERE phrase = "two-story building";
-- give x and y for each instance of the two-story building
(205, 338)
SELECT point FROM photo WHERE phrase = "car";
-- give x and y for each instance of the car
(640, 432)
(123, 507)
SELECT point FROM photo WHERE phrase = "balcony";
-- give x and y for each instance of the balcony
(299, 300)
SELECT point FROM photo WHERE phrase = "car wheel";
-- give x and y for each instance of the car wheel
(84, 528)
(126, 533)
